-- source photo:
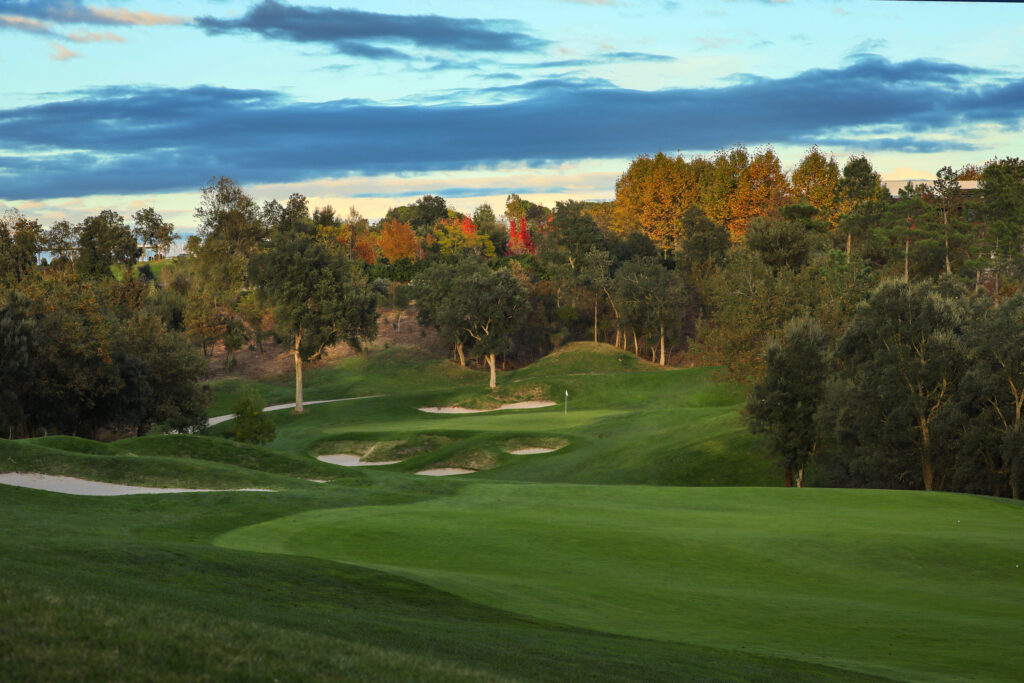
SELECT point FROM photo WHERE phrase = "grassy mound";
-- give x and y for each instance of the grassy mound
(165, 461)
(587, 358)
(898, 584)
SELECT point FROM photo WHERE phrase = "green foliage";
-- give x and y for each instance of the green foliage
(251, 425)
(784, 401)
(702, 245)
(900, 364)
(21, 240)
(779, 243)
(318, 297)
(104, 240)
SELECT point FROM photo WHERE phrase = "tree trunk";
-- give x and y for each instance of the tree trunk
(789, 477)
(800, 478)
(494, 376)
(298, 375)
(460, 353)
(618, 334)
(636, 344)
(662, 345)
(654, 354)
(927, 467)
(849, 245)
(906, 261)
(595, 321)
(948, 269)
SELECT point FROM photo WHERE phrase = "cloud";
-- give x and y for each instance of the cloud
(77, 12)
(599, 58)
(90, 37)
(357, 33)
(62, 54)
(124, 140)
(25, 24)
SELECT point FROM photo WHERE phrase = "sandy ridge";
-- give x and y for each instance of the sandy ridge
(456, 410)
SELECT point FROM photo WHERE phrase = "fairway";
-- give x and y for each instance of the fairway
(899, 584)
(648, 545)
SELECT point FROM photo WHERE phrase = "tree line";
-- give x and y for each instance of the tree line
(700, 260)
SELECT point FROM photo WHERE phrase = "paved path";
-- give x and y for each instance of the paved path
(284, 406)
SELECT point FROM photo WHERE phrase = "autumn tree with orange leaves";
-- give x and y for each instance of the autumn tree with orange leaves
(398, 241)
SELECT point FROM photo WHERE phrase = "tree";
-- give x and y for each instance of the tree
(397, 241)
(60, 242)
(152, 231)
(650, 298)
(1002, 189)
(780, 243)
(947, 190)
(652, 195)
(468, 302)
(859, 185)
(784, 401)
(104, 240)
(438, 292)
(496, 307)
(231, 228)
(21, 240)
(251, 424)
(900, 360)
(761, 190)
(318, 297)
(702, 246)
(167, 385)
(17, 339)
(749, 303)
(456, 238)
(993, 399)
(816, 180)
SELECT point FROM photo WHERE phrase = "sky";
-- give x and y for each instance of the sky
(373, 104)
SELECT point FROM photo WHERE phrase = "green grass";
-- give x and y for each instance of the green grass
(132, 589)
(166, 461)
(880, 582)
(629, 422)
(117, 270)
(501, 574)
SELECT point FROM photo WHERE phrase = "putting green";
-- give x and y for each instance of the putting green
(904, 584)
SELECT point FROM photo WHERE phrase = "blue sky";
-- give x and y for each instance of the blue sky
(372, 104)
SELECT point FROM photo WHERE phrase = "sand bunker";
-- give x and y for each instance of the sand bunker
(455, 410)
(532, 451)
(346, 460)
(85, 487)
(284, 406)
(445, 471)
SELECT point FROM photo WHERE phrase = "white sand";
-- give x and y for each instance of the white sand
(84, 487)
(346, 460)
(445, 471)
(532, 451)
(455, 410)
(284, 406)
